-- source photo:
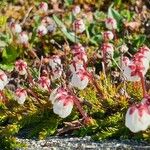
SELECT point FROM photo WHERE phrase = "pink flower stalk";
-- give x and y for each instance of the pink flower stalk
(79, 26)
(23, 38)
(76, 10)
(44, 82)
(21, 67)
(138, 117)
(3, 80)
(43, 6)
(108, 35)
(111, 24)
(21, 95)
(42, 30)
(15, 27)
(80, 79)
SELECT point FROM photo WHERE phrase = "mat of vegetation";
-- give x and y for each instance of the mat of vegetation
(64, 70)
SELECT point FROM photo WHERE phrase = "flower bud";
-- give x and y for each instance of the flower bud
(42, 30)
(43, 6)
(79, 26)
(111, 23)
(21, 95)
(108, 35)
(76, 10)
(21, 67)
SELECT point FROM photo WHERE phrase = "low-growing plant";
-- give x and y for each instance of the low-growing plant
(72, 69)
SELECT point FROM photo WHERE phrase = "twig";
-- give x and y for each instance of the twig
(26, 16)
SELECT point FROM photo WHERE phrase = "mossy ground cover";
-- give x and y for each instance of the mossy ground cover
(35, 118)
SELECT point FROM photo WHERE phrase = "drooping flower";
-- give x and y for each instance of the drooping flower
(62, 102)
(76, 10)
(42, 30)
(43, 6)
(21, 95)
(137, 118)
(3, 80)
(108, 35)
(44, 82)
(15, 27)
(111, 23)
(79, 26)
(23, 38)
(21, 67)
(80, 79)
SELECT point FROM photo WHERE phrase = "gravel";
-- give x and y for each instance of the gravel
(74, 143)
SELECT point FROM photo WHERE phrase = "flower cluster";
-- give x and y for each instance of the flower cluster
(138, 116)
(79, 77)
(137, 66)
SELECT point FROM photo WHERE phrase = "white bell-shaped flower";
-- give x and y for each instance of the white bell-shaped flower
(63, 107)
(62, 102)
(21, 95)
(43, 7)
(23, 38)
(108, 35)
(42, 30)
(79, 26)
(21, 67)
(15, 27)
(137, 118)
(80, 79)
(111, 23)
(44, 82)
(3, 80)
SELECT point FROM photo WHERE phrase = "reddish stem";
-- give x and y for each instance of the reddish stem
(96, 86)
(79, 107)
